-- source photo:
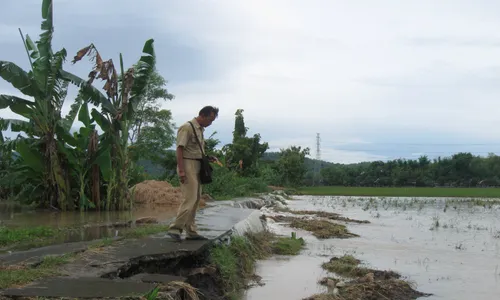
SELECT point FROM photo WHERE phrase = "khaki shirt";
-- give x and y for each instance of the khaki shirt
(186, 139)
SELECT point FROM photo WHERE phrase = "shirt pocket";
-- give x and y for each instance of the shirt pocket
(194, 141)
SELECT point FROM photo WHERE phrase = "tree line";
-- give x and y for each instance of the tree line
(459, 170)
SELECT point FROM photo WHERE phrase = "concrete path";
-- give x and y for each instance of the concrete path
(96, 274)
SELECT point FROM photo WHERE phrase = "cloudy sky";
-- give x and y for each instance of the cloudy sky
(377, 79)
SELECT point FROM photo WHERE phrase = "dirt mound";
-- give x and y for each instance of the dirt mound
(162, 193)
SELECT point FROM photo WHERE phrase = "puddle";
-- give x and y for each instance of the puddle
(84, 226)
(446, 247)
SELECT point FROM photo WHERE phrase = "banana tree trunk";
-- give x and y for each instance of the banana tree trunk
(94, 175)
(56, 174)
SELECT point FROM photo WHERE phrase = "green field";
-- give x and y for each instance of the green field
(401, 192)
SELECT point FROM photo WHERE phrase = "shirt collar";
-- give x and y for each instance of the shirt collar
(196, 124)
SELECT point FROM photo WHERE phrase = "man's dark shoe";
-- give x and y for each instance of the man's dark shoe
(175, 236)
(196, 237)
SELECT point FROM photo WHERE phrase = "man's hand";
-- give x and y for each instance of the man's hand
(214, 159)
(182, 176)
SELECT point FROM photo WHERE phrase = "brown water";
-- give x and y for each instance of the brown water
(451, 251)
(84, 226)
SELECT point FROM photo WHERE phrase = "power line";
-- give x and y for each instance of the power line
(318, 158)
(318, 146)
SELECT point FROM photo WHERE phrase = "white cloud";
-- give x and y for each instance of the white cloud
(357, 72)
(339, 67)
(328, 154)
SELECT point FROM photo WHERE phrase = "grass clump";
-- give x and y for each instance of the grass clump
(12, 236)
(236, 261)
(376, 290)
(288, 246)
(322, 214)
(346, 265)
(13, 276)
(365, 284)
(321, 229)
(101, 243)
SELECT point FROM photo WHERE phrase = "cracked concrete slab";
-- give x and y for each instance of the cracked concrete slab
(82, 288)
(36, 255)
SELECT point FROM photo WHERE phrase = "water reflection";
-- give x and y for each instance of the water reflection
(82, 226)
(14, 215)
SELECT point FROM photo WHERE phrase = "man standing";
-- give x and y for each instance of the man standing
(189, 156)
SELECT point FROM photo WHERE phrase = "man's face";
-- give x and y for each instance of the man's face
(207, 121)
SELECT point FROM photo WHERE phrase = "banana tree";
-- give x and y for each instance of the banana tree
(118, 105)
(87, 160)
(44, 84)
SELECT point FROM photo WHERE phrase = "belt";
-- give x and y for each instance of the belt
(200, 159)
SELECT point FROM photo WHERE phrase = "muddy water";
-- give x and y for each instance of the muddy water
(85, 226)
(450, 250)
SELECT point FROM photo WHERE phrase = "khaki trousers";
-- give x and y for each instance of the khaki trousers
(191, 192)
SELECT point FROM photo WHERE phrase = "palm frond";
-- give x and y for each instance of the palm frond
(143, 70)
(16, 76)
(8, 100)
(56, 87)
(73, 111)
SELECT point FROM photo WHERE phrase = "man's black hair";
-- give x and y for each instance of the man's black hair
(208, 110)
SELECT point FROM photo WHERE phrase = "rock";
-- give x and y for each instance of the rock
(280, 198)
(335, 291)
(330, 282)
(279, 205)
(340, 284)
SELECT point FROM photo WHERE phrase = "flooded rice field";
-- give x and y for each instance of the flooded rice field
(447, 247)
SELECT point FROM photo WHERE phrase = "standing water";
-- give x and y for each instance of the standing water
(447, 247)
(83, 226)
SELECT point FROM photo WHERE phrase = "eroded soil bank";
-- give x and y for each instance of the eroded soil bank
(436, 246)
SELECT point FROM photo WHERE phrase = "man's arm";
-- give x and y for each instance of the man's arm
(182, 140)
(180, 161)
